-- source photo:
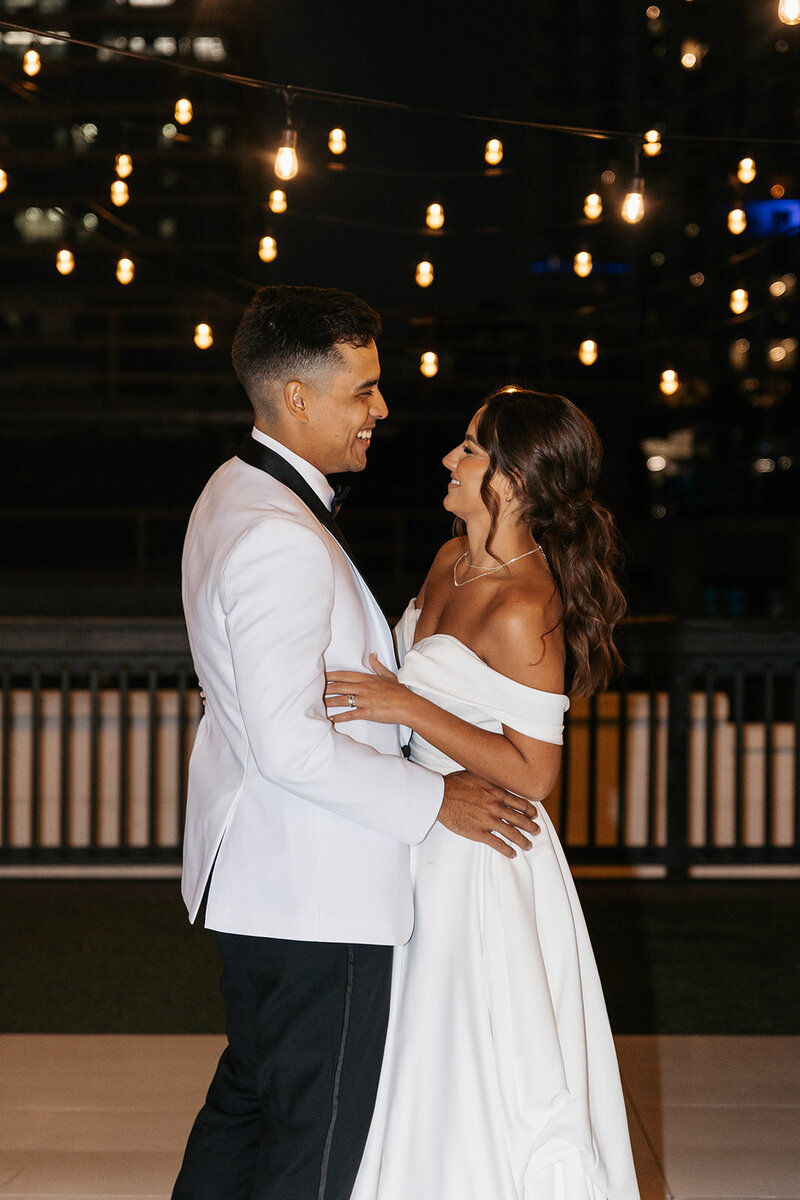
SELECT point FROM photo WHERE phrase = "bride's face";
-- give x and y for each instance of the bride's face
(467, 464)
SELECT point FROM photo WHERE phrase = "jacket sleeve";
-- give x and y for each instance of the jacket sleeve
(277, 595)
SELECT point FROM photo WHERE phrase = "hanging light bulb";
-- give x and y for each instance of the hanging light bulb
(493, 153)
(429, 364)
(124, 165)
(739, 300)
(592, 206)
(268, 249)
(286, 164)
(65, 262)
(277, 201)
(633, 204)
(203, 336)
(3, 180)
(31, 62)
(424, 274)
(652, 143)
(582, 264)
(737, 220)
(789, 12)
(337, 141)
(183, 111)
(746, 171)
(125, 270)
(435, 216)
(587, 352)
(119, 193)
(669, 382)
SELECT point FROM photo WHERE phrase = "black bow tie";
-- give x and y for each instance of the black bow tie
(340, 493)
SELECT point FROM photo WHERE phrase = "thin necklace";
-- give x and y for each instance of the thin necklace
(492, 571)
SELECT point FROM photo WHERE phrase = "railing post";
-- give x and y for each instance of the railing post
(677, 855)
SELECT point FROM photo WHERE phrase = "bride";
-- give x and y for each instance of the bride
(500, 1080)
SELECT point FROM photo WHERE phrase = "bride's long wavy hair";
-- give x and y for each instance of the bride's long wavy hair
(552, 454)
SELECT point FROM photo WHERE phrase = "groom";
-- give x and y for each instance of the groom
(296, 833)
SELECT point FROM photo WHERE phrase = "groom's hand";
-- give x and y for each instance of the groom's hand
(482, 812)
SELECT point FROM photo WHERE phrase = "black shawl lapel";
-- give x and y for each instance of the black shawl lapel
(265, 459)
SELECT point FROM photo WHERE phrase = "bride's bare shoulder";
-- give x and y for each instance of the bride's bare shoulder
(441, 567)
(523, 637)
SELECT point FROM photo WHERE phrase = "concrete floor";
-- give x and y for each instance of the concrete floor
(94, 1116)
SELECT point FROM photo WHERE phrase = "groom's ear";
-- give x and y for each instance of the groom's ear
(294, 398)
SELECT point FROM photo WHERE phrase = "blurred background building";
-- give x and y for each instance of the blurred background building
(677, 333)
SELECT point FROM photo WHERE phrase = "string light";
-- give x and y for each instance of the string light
(737, 220)
(277, 201)
(65, 262)
(119, 193)
(429, 364)
(203, 336)
(424, 274)
(183, 111)
(3, 180)
(592, 206)
(777, 288)
(669, 382)
(587, 352)
(124, 165)
(656, 462)
(286, 164)
(746, 171)
(633, 204)
(31, 62)
(268, 249)
(337, 141)
(789, 12)
(582, 264)
(493, 152)
(652, 143)
(739, 301)
(434, 218)
(125, 270)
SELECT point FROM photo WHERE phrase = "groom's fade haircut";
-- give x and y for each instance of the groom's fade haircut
(292, 333)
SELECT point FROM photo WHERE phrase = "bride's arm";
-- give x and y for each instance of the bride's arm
(523, 650)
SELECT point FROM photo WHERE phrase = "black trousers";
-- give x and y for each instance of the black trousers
(289, 1108)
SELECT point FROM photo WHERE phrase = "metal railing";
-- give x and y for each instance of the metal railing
(690, 761)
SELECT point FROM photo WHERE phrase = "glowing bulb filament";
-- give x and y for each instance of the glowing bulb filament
(746, 171)
(65, 262)
(3, 180)
(789, 12)
(424, 274)
(582, 264)
(31, 62)
(737, 221)
(277, 201)
(119, 193)
(633, 204)
(493, 152)
(268, 249)
(203, 336)
(592, 206)
(337, 141)
(435, 216)
(183, 111)
(669, 382)
(587, 352)
(124, 165)
(286, 164)
(125, 270)
(652, 143)
(429, 364)
(739, 300)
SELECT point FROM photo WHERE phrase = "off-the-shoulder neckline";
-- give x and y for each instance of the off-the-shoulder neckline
(450, 638)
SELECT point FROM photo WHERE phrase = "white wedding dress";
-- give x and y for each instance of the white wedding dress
(500, 1080)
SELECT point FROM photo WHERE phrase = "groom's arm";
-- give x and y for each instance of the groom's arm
(277, 594)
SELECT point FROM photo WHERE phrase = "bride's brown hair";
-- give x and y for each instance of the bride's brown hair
(551, 454)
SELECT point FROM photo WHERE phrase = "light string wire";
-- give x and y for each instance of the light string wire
(289, 92)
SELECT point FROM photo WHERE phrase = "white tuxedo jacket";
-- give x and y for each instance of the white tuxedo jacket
(307, 827)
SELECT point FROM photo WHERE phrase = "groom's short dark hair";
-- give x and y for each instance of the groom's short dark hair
(291, 333)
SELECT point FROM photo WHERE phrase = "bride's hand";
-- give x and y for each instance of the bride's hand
(377, 697)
